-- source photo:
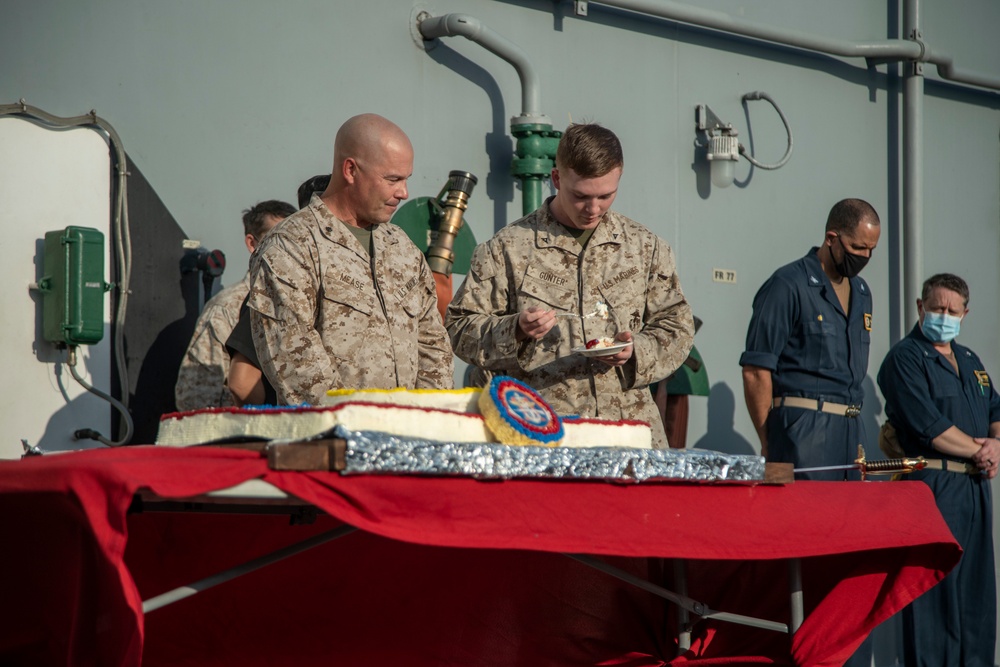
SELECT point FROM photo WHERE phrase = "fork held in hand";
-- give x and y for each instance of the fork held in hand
(593, 314)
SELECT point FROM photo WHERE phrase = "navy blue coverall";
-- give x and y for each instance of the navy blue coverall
(954, 623)
(799, 332)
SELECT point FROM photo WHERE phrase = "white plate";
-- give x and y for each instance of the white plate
(600, 351)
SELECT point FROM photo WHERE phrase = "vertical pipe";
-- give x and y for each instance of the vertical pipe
(531, 194)
(913, 170)
(536, 140)
(795, 590)
(683, 617)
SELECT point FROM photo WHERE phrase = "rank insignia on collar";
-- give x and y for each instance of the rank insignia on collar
(982, 378)
(868, 321)
(814, 280)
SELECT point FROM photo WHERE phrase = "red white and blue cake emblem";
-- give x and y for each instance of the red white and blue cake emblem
(517, 415)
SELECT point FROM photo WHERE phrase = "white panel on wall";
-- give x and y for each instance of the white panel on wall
(49, 179)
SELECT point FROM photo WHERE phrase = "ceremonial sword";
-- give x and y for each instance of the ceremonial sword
(883, 467)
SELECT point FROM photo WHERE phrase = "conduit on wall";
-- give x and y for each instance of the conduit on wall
(912, 50)
(536, 140)
(120, 234)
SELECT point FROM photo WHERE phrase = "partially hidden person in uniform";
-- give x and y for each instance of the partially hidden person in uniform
(941, 404)
(204, 371)
(540, 288)
(671, 394)
(807, 348)
(315, 185)
(339, 296)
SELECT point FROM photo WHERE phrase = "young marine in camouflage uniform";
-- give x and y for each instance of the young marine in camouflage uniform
(568, 256)
(201, 380)
(341, 298)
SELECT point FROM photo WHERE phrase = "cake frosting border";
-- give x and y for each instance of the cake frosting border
(549, 435)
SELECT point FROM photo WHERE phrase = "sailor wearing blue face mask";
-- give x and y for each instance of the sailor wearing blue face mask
(942, 405)
(940, 327)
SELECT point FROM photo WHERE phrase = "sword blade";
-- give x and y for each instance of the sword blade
(849, 466)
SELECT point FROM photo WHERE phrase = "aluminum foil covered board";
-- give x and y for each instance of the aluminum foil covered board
(374, 452)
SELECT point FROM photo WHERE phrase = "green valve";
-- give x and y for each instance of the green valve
(534, 158)
(73, 286)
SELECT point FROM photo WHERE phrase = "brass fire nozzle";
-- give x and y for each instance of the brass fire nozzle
(451, 204)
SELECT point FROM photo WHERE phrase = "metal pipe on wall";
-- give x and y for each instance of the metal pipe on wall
(707, 18)
(911, 49)
(888, 49)
(913, 172)
(536, 140)
(450, 25)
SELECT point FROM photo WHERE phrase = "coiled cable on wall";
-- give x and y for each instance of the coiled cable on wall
(86, 433)
(760, 95)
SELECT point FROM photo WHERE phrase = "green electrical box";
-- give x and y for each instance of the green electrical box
(73, 286)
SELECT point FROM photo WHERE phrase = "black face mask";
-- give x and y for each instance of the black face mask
(851, 264)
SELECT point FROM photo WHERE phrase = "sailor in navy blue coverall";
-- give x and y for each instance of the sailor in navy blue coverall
(807, 348)
(807, 354)
(943, 406)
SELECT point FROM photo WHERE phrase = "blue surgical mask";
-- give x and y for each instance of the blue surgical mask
(941, 327)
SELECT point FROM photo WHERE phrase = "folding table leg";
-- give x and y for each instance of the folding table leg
(693, 606)
(683, 617)
(795, 588)
(182, 592)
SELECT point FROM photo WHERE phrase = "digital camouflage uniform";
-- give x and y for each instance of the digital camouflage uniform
(320, 322)
(201, 380)
(535, 261)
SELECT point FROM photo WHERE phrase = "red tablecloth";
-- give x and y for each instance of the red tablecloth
(444, 571)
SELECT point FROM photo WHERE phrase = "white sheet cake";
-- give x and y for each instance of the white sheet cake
(412, 414)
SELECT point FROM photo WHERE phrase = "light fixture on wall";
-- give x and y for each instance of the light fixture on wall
(724, 149)
(723, 146)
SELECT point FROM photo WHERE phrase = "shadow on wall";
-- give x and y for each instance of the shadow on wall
(162, 309)
(721, 436)
(68, 419)
(871, 420)
(498, 144)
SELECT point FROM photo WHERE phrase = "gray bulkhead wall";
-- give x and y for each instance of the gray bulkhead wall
(223, 104)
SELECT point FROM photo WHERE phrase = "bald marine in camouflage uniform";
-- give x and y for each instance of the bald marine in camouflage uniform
(568, 256)
(341, 298)
(204, 370)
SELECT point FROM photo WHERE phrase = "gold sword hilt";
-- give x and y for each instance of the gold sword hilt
(888, 466)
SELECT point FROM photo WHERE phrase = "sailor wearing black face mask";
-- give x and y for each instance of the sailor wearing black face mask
(807, 352)
(807, 347)
(850, 264)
